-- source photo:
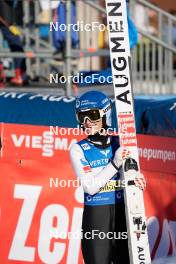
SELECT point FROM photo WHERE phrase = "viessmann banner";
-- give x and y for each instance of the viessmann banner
(38, 142)
(41, 202)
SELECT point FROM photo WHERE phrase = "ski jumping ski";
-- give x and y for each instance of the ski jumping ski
(121, 70)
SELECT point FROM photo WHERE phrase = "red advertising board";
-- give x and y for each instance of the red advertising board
(37, 142)
(41, 201)
(34, 209)
(157, 153)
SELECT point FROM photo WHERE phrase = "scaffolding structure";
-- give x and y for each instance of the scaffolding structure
(152, 60)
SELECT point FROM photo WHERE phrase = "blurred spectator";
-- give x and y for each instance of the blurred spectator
(2, 76)
(173, 12)
(46, 5)
(146, 19)
(153, 22)
(59, 36)
(8, 18)
(166, 29)
(141, 17)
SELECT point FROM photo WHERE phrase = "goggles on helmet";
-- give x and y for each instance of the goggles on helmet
(91, 114)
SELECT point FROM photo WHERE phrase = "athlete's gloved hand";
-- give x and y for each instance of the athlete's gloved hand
(140, 182)
(120, 155)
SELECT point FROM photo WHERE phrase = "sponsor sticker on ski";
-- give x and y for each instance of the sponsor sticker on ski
(127, 130)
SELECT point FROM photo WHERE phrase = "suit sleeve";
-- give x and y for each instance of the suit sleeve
(91, 181)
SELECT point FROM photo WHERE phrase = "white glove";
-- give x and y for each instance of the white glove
(120, 155)
(140, 182)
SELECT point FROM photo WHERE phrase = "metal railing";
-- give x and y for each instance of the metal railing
(154, 57)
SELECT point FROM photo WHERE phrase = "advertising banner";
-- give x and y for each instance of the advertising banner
(41, 201)
(38, 142)
(41, 212)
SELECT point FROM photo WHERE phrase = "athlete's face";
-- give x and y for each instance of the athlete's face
(92, 127)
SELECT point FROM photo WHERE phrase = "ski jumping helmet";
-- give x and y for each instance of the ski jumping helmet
(97, 101)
